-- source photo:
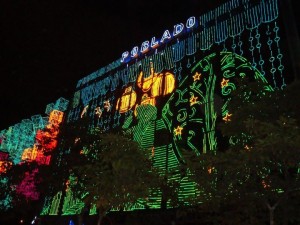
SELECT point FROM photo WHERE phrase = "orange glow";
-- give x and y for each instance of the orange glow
(41, 159)
(30, 154)
(159, 83)
(26, 154)
(178, 130)
(45, 140)
(210, 169)
(4, 165)
(227, 118)
(145, 83)
(127, 100)
(163, 85)
(193, 100)
(153, 151)
(224, 83)
(197, 76)
(56, 117)
(148, 100)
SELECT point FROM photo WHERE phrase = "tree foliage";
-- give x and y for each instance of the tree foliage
(116, 171)
(261, 165)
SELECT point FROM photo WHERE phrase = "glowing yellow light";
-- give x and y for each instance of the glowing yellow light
(34, 152)
(178, 130)
(126, 101)
(29, 153)
(227, 118)
(197, 76)
(56, 117)
(158, 83)
(224, 83)
(193, 100)
(147, 100)
(26, 154)
(163, 85)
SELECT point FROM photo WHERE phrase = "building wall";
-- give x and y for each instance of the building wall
(25, 142)
(171, 97)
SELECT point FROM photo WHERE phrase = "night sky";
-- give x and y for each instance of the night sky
(47, 46)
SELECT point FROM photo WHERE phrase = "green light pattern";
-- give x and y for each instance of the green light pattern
(71, 205)
(51, 205)
(160, 158)
(188, 190)
(46, 206)
(143, 132)
(210, 114)
(184, 120)
(93, 210)
(154, 199)
(54, 207)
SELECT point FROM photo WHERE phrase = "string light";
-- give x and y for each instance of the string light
(172, 90)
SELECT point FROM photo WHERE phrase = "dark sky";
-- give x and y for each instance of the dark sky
(47, 46)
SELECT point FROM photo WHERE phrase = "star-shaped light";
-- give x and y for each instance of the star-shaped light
(224, 83)
(197, 76)
(247, 147)
(193, 100)
(227, 117)
(178, 130)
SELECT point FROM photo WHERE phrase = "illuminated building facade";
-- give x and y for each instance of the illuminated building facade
(170, 92)
(25, 143)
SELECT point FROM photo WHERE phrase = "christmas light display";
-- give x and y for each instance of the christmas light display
(28, 186)
(171, 98)
(168, 93)
(4, 162)
(31, 141)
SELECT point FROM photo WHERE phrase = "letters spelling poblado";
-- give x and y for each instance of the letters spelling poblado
(154, 43)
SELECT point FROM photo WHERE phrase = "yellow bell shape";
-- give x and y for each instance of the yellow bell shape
(126, 101)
